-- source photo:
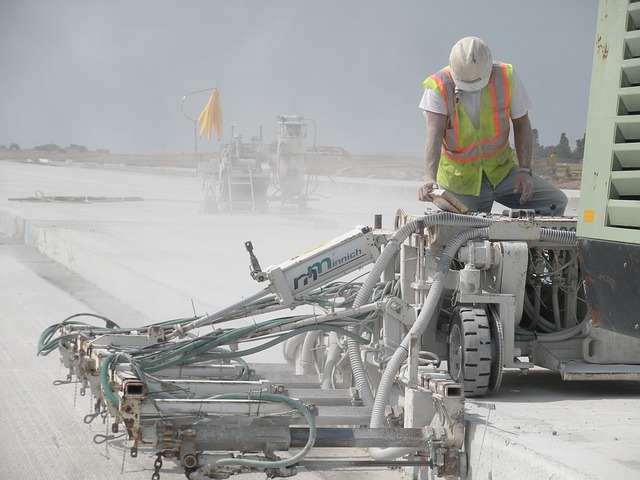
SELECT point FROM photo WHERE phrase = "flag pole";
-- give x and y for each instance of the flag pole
(194, 120)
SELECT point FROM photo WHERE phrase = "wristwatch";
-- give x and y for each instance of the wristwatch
(525, 170)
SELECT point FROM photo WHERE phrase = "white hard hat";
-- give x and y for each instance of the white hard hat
(470, 63)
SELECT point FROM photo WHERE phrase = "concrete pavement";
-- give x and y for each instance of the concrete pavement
(158, 258)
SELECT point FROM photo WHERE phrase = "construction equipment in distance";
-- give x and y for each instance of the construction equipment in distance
(290, 172)
(240, 180)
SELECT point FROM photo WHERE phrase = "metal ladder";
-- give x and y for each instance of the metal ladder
(234, 181)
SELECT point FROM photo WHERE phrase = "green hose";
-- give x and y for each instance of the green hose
(104, 379)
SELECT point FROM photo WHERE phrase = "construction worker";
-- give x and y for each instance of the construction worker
(469, 106)
(553, 160)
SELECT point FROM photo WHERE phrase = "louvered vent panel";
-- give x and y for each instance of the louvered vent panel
(623, 206)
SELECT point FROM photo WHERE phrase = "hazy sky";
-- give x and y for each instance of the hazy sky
(112, 74)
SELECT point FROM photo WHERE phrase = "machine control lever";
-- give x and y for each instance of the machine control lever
(255, 269)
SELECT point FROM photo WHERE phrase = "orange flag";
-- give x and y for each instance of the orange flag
(211, 115)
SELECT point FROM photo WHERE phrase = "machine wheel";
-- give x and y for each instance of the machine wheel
(497, 350)
(470, 351)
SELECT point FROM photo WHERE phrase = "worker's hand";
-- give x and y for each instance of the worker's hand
(524, 182)
(425, 189)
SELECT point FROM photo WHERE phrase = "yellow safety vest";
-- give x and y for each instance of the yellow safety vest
(467, 152)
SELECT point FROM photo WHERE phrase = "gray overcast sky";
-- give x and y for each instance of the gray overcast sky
(112, 74)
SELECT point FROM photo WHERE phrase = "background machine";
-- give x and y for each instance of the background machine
(250, 175)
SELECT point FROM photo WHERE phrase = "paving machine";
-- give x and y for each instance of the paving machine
(442, 303)
(239, 180)
(290, 175)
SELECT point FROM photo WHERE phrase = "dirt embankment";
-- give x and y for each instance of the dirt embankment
(374, 166)
(393, 167)
(152, 160)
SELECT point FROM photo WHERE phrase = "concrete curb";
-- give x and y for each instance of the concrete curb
(153, 298)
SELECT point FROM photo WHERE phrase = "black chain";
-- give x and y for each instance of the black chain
(157, 465)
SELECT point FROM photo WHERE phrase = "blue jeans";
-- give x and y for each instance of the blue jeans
(545, 196)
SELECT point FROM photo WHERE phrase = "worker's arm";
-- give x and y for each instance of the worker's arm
(523, 138)
(436, 125)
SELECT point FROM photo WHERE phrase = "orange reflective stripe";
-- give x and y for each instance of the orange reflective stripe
(500, 146)
(444, 90)
(494, 107)
(439, 79)
(441, 89)
(485, 141)
(496, 137)
(497, 127)
(456, 123)
(505, 87)
(466, 159)
(505, 83)
(456, 127)
(462, 156)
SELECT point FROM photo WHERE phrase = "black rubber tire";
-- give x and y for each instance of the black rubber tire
(497, 351)
(470, 351)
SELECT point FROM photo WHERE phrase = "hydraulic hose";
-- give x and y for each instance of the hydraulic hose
(388, 254)
(542, 323)
(289, 348)
(335, 351)
(555, 302)
(561, 335)
(211, 318)
(536, 306)
(307, 364)
(104, 379)
(276, 463)
(422, 322)
(557, 236)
